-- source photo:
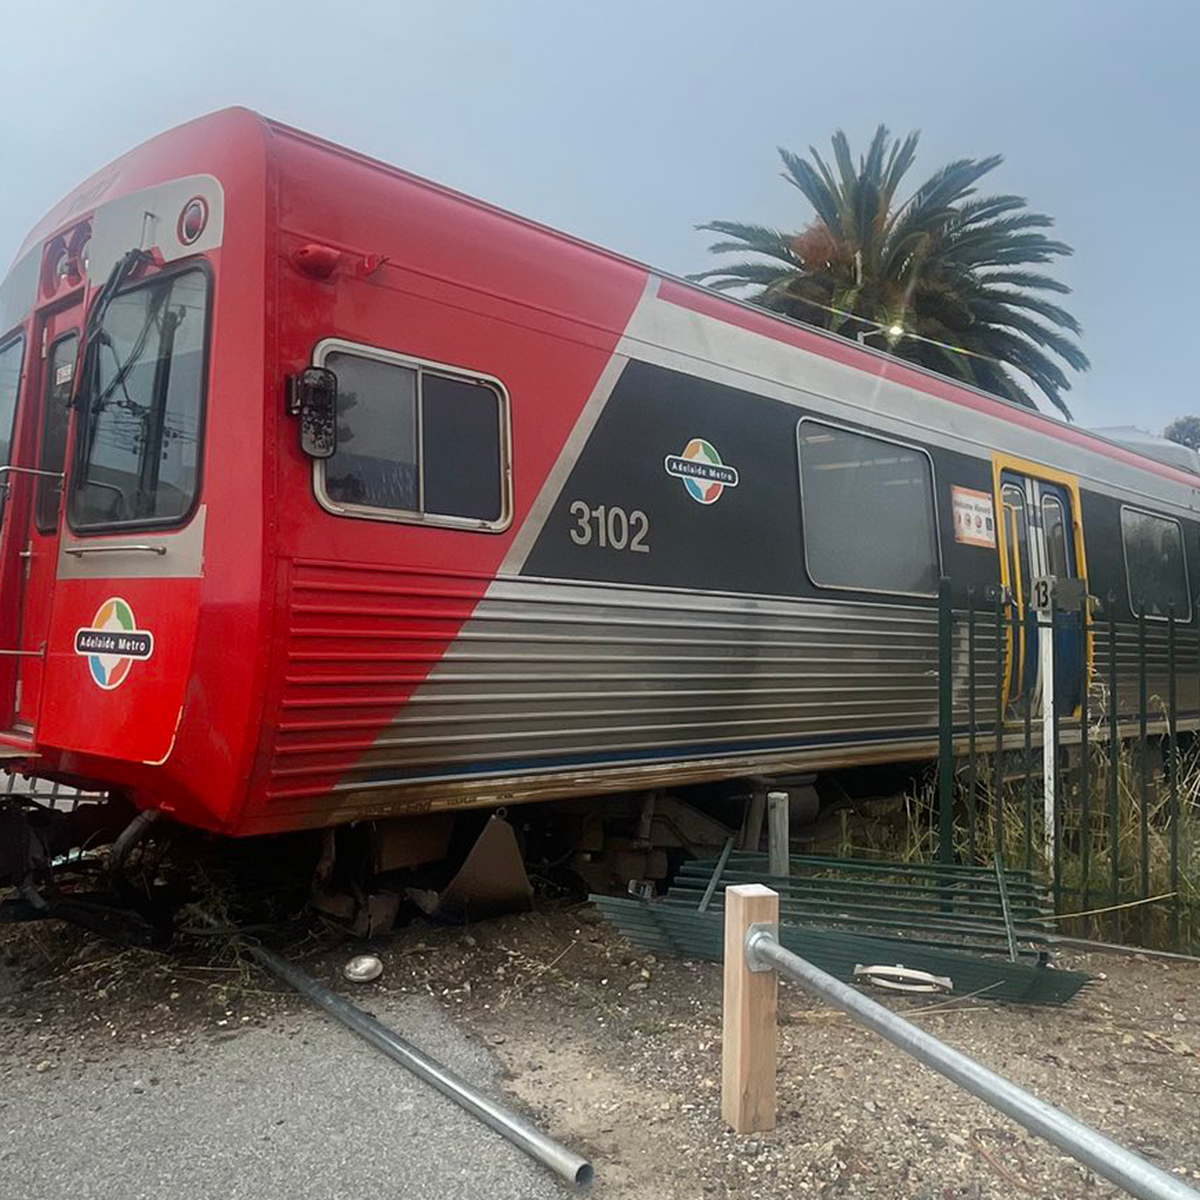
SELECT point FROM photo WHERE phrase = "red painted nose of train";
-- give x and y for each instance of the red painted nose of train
(104, 383)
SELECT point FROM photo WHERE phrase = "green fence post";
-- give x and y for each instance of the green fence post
(971, 770)
(1028, 775)
(1114, 766)
(1143, 770)
(945, 725)
(1085, 784)
(1059, 796)
(1173, 776)
(998, 771)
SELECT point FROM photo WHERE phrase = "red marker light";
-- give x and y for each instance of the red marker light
(315, 260)
(192, 220)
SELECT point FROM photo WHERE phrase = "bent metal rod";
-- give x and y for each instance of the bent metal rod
(1116, 1164)
(521, 1133)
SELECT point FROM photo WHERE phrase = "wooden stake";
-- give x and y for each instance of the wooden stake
(748, 1056)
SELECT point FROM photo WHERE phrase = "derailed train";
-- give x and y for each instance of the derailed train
(331, 495)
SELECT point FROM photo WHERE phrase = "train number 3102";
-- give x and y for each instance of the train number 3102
(610, 527)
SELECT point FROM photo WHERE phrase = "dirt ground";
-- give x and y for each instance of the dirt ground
(617, 1053)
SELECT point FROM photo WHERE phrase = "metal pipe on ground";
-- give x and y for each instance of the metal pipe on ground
(562, 1161)
(1116, 1164)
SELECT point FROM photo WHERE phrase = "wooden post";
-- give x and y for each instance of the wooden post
(748, 1016)
(778, 833)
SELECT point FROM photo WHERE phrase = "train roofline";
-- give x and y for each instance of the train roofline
(853, 353)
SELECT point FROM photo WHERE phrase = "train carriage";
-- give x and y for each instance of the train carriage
(332, 494)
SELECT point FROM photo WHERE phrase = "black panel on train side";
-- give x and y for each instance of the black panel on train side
(750, 538)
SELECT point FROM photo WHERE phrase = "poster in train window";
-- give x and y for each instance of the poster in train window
(974, 522)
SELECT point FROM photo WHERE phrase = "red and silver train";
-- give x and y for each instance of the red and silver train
(332, 494)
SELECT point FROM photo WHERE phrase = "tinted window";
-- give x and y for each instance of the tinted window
(60, 375)
(1155, 563)
(460, 431)
(868, 512)
(416, 442)
(140, 443)
(10, 384)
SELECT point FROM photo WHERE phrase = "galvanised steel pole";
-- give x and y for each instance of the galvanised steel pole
(564, 1162)
(1115, 1163)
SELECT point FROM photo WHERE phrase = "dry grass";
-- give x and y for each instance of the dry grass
(1087, 846)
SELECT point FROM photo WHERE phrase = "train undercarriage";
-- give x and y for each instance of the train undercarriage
(94, 860)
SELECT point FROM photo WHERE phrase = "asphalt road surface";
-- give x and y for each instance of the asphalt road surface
(303, 1109)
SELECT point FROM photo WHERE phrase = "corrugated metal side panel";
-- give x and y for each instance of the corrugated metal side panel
(410, 680)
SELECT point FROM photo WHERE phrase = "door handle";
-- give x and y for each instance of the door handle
(80, 551)
(10, 470)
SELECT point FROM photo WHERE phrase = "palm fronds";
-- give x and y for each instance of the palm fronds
(949, 266)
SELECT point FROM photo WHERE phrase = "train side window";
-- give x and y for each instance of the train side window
(868, 512)
(11, 358)
(1155, 565)
(376, 461)
(416, 442)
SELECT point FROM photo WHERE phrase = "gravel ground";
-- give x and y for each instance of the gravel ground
(613, 1051)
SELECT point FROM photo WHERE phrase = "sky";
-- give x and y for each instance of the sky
(630, 123)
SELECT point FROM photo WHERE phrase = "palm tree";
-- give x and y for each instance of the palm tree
(942, 278)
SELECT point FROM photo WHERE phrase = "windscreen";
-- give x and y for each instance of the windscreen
(139, 444)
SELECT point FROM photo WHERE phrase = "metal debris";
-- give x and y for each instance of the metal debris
(363, 968)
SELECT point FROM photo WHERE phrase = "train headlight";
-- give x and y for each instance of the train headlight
(192, 220)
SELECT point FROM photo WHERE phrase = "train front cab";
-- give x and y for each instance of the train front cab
(131, 437)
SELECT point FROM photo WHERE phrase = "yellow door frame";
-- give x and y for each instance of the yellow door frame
(1042, 473)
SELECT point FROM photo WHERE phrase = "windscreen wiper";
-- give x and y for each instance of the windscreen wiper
(125, 266)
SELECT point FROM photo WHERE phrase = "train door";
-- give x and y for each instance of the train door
(48, 398)
(1040, 535)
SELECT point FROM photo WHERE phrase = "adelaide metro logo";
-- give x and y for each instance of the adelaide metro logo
(703, 473)
(113, 643)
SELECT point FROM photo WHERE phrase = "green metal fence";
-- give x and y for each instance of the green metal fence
(1118, 843)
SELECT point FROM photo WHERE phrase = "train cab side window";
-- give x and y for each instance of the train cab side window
(415, 443)
(868, 512)
(1155, 565)
(11, 357)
